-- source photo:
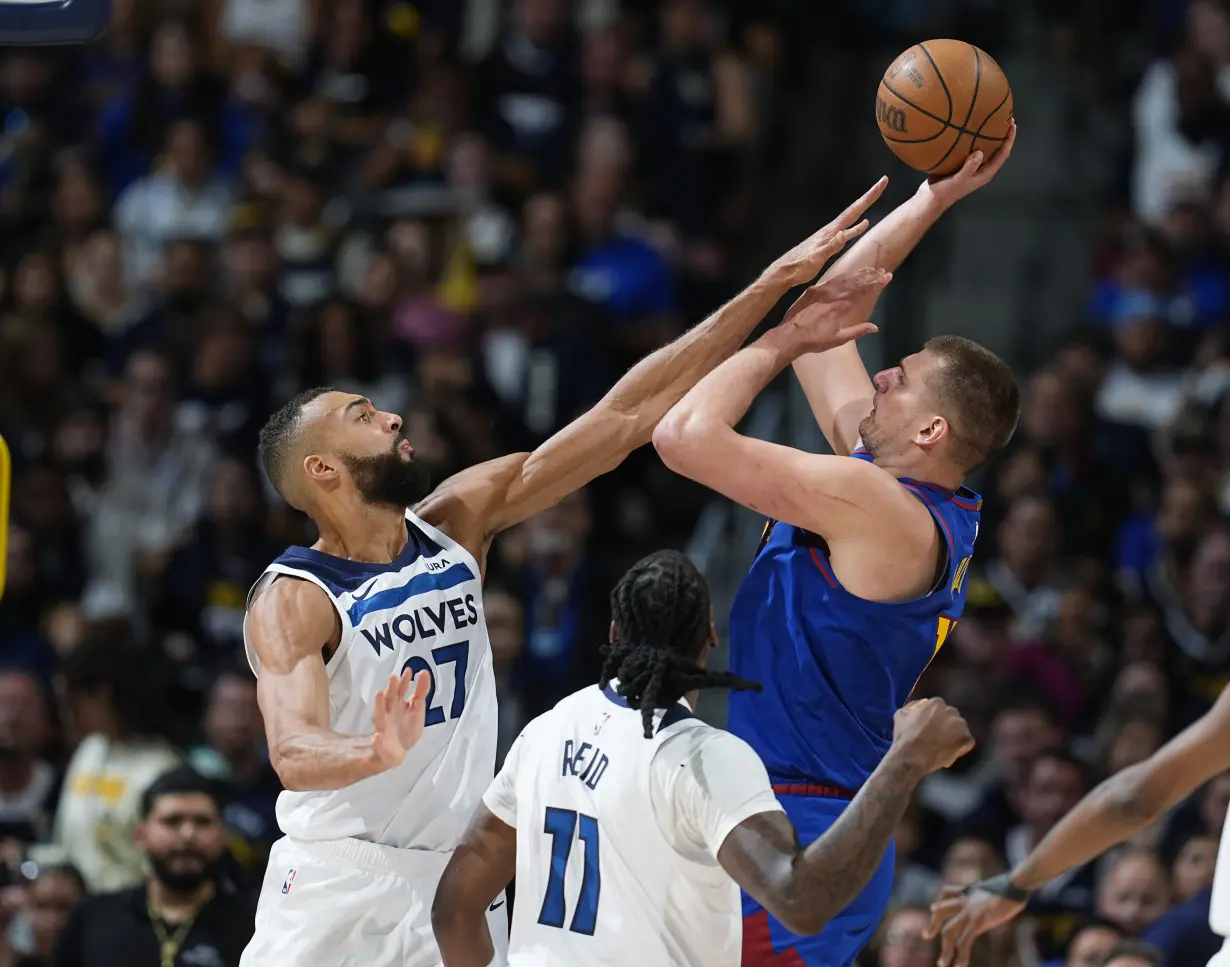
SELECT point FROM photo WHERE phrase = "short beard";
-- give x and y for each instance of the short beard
(388, 479)
(183, 881)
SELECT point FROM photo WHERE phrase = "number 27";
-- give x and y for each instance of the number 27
(458, 655)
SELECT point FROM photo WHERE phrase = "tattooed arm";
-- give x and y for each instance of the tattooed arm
(805, 887)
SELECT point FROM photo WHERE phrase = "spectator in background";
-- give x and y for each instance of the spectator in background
(564, 620)
(1056, 782)
(1024, 726)
(236, 757)
(114, 721)
(177, 85)
(698, 118)
(155, 488)
(506, 629)
(184, 200)
(183, 913)
(525, 96)
(49, 897)
(1025, 573)
(1193, 867)
(1141, 387)
(1090, 943)
(1179, 116)
(23, 606)
(28, 782)
(200, 597)
(903, 943)
(1135, 891)
(1130, 953)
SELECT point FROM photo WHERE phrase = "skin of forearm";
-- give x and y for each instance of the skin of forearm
(835, 868)
(1113, 812)
(726, 394)
(661, 379)
(317, 759)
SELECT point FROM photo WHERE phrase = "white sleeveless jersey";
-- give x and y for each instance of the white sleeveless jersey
(423, 612)
(1219, 903)
(617, 835)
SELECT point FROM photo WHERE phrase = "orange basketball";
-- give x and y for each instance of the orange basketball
(941, 100)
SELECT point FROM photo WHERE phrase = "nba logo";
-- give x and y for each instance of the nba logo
(41, 22)
(601, 722)
(290, 878)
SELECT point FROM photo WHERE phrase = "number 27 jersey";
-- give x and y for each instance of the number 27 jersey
(422, 612)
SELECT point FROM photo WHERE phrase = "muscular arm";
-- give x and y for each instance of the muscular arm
(1131, 800)
(832, 496)
(836, 381)
(481, 867)
(484, 500)
(494, 496)
(806, 887)
(289, 625)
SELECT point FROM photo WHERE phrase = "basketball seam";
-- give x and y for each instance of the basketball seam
(968, 114)
(925, 113)
(978, 135)
(944, 84)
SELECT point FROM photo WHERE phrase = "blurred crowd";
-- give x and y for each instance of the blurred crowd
(1098, 619)
(478, 214)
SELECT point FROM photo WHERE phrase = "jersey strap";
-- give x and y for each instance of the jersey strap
(677, 713)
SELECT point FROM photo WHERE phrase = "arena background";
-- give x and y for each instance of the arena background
(479, 214)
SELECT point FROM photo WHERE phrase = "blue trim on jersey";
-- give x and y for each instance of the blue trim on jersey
(676, 713)
(419, 584)
(341, 576)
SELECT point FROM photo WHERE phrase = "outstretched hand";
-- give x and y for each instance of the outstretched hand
(962, 914)
(399, 716)
(979, 170)
(804, 262)
(824, 315)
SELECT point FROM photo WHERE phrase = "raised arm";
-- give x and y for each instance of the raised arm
(805, 888)
(486, 499)
(1113, 812)
(835, 381)
(832, 496)
(290, 625)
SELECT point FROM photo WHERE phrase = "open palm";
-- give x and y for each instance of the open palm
(400, 711)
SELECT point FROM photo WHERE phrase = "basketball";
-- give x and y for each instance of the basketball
(939, 102)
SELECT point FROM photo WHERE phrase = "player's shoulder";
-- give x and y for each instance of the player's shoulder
(283, 595)
(579, 704)
(693, 742)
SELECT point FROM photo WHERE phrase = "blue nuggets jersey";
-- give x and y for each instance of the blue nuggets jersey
(836, 667)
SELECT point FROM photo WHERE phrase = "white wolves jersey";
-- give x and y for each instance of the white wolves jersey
(1219, 903)
(423, 612)
(617, 835)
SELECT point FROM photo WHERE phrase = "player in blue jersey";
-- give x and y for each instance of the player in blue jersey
(860, 574)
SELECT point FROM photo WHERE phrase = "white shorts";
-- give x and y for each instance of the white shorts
(348, 903)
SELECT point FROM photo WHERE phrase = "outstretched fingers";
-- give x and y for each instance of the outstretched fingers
(865, 201)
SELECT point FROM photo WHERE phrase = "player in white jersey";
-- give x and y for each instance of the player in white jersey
(381, 780)
(628, 821)
(1122, 806)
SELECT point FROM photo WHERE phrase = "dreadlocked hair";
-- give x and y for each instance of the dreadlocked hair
(660, 610)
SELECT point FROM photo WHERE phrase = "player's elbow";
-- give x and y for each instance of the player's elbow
(799, 916)
(676, 438)
(1135, 794)
(286, 764)
(450, 912)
